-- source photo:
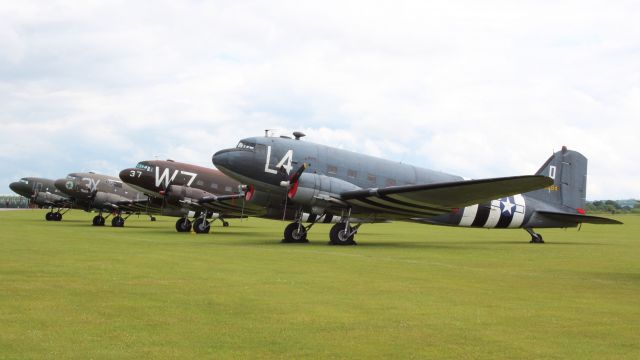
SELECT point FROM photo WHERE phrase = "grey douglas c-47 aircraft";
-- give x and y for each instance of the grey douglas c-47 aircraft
(328, 182)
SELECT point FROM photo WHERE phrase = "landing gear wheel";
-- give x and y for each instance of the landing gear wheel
(48, 216)
(339, 235)
(117, 221)
(225, 223)
(294, 233)
(56, 216)
(536, 239)
(201, 226)
(153, 218)
(98, 220)
(183, 225)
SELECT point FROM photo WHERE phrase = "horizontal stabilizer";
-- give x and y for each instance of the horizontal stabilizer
(578, 218)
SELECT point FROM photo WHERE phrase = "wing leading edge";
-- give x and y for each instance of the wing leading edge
(440, 198)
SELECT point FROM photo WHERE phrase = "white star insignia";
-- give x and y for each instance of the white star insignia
(508, 206)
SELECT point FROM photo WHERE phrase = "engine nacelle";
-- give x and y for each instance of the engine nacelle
(102, 198)
(179, 193)
(319, 191)
(43, 198)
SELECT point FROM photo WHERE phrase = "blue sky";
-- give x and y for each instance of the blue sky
(479, 89)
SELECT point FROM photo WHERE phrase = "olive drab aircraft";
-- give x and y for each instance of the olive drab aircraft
(205, 192)
(42, 192)
(330, 182)
(104, 193)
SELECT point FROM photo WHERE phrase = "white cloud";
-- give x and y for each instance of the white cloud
(475, 88)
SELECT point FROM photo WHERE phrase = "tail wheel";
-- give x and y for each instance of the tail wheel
(339, 235)
(201, 226)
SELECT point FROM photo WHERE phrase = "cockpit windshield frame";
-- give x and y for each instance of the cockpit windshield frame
(143, 166)
(245, 145)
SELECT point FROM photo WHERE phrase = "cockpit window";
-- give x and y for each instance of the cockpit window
(114, 183)
(246, 145)
(24, 181)
(143, 166)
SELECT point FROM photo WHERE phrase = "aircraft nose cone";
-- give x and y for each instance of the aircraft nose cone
(221, 158)
(125, 175)
(15, 187)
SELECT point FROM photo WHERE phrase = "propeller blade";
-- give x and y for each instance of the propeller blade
(293, 182)
(295, 176)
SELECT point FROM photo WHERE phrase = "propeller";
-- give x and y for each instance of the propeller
(294, 180)
(291, 184)
(92, 197)
(248, 191)
(165, 192)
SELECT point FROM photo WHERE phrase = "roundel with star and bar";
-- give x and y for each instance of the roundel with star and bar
(507, 212)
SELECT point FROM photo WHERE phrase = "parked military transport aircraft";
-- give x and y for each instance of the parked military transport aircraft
(108, 194)
(327, 181)
(43, 193)
(206, 192)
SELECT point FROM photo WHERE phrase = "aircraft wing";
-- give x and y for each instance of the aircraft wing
(230, 205)
(440, 198)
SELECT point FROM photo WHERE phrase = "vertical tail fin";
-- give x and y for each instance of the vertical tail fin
(568, 169)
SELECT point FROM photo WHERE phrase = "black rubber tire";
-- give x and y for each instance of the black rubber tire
(200, 226)
(98, 220)
(537, 239)
(56, 216)
(291, 234)
(48, 216)
(153, 218)
(337, 237)
(117, 221)
(225, 224)
(183, 225)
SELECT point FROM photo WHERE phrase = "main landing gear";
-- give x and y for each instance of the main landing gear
(54, 216)
(341, 233)
(201, 223)
(183, 224)
(99, 220)
(535, 237)
(118, 220)
(296, 232)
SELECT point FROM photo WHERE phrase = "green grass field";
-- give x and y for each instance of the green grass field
(70, 290)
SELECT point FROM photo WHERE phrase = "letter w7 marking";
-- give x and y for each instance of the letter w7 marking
(166, 177)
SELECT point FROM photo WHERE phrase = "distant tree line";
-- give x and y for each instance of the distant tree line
(613, 206)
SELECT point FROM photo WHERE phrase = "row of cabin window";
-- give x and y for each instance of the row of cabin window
(213, 185)
(333, 170)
